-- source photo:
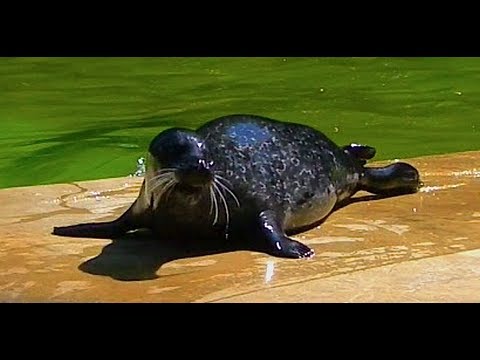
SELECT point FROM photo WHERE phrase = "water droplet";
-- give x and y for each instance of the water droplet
(269, 271)
(336, 129)
(458, 93)
(141, 167)
(414, 210)
(322, 90)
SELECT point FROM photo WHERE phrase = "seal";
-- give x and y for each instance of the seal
(249, 178)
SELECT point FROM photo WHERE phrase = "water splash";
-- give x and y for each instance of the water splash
(474, 172)
(428, 189)
(141, 164)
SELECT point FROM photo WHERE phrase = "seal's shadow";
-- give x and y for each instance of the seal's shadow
(138, 256)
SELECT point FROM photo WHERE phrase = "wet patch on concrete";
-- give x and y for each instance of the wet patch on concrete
(408, 248)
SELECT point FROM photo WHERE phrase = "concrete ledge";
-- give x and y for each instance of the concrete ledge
(422, 247)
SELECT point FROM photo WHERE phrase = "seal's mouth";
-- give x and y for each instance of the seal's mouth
(193, 182)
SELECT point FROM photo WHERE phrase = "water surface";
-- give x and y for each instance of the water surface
(66, 119)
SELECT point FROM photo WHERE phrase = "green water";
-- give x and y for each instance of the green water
(65, 119)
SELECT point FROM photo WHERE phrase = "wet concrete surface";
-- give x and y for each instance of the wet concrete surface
(423, 247)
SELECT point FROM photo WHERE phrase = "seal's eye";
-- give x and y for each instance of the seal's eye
(181, 148)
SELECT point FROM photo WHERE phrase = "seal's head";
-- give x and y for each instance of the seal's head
(180, 161)
(394, 179)
(181, 153)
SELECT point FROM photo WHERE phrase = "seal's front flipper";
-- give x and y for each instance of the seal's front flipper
(100, 230)
(278, 243)
(134, 218)
(103, 230)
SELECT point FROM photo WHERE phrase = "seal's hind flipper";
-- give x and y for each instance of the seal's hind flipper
(395, 179)
(361, 152)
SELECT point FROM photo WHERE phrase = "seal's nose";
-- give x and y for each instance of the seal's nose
(203, 164)
(198, 173)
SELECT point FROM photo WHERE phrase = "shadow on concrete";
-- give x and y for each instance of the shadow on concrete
(138, 256)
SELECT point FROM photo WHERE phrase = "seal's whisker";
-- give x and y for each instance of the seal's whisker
(225, 187)
(211, 200)
(150, 188)
(166, 169)
(221, 177)
(215, 202)
(160, 174)
(163, 175)
(168, 188)
(162, 190)
(158, 182)
(165, 188)
(155, 184)
(225, 204)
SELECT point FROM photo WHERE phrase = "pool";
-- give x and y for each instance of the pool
(66, 119)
